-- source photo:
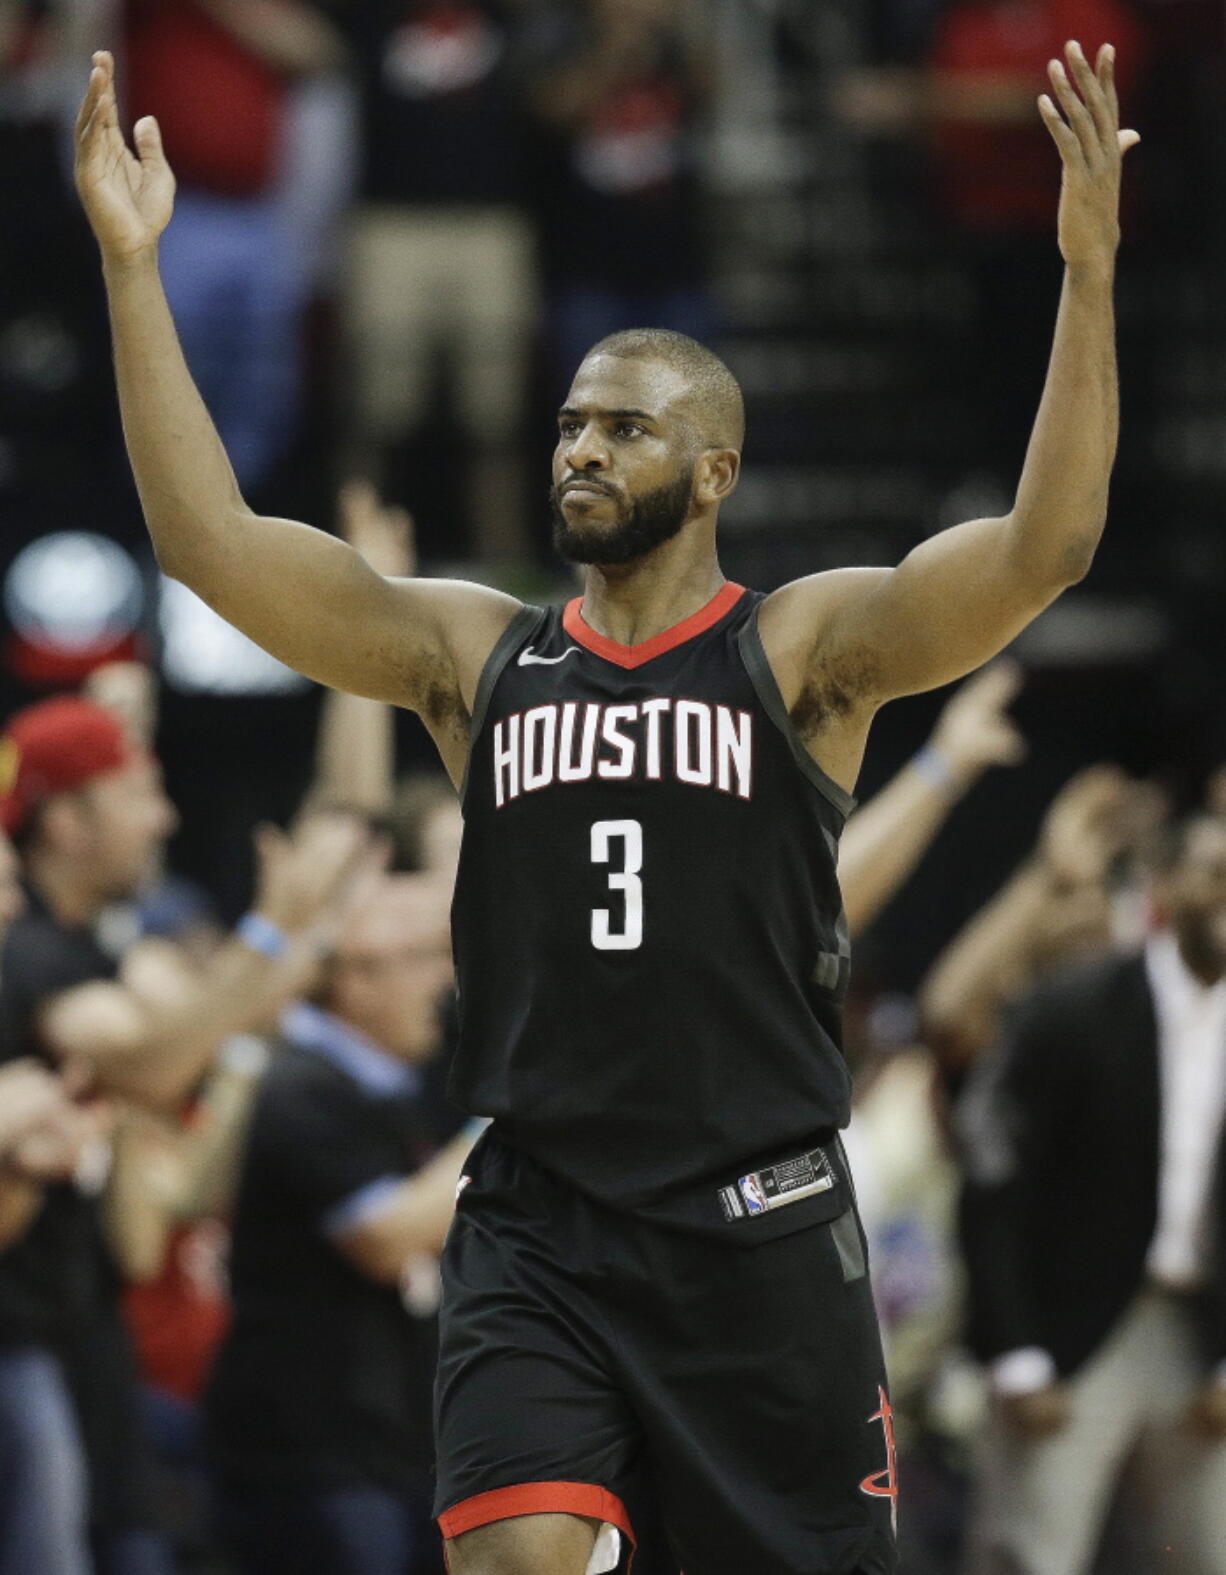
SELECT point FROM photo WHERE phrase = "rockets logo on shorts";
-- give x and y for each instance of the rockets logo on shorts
(874, 1485)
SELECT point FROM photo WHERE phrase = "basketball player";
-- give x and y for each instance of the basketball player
(656, 1254)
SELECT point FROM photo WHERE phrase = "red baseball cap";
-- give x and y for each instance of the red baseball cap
(54, 747)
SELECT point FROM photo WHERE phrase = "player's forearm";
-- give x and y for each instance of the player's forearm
(1061, 504)
(187, 488)
(886, 839)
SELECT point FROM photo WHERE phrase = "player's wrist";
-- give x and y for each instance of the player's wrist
(1091, 273)
(118, 266)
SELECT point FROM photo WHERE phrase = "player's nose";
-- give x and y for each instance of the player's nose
(587, 450)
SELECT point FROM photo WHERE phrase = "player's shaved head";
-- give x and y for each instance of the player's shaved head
(714, 402)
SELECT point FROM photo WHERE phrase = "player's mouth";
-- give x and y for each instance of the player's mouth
(586, 490)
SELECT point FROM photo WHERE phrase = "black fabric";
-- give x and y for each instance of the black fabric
(324, 1376)
(53, 1278)
(582, 1346)
(621, 210)
(59, 1288)
(653, 1075)
(1062, 1204)
(440, 110)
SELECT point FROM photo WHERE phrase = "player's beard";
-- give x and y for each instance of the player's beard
(644, 525)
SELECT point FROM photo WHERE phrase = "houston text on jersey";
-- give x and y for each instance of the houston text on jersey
(690, 741)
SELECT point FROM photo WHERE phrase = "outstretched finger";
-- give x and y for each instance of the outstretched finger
(1076, 115)
(90, 100)
(1104, 69)
(1092, 95)
(1064, 138)
(147, 135)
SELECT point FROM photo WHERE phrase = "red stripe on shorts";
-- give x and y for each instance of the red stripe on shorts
(536, 1498)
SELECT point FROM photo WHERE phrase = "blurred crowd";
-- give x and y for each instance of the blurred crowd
(227, 1156)
(515, 178)
(228, 1161)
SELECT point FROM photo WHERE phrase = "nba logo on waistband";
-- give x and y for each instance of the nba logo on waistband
(751, 1191)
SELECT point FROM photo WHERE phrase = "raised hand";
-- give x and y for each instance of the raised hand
(975, 730)
(1088, 824)
(29, 1095)
(301, 874)
(1092, 149)
(384, 535)
(128, 197)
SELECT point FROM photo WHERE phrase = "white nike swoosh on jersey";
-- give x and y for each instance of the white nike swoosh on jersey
(529, 659)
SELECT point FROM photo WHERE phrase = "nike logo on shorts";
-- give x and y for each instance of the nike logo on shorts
(529, 658)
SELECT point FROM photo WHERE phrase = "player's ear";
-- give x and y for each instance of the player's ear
(716, 474)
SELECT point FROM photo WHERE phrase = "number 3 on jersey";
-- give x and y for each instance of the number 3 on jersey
(629, 856)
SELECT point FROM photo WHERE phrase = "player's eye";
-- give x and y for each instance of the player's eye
(630, 429)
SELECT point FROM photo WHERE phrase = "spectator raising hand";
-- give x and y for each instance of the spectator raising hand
(887, 838)
(1056, 906)
(385, 535)
(29, 1096)
(355, 756)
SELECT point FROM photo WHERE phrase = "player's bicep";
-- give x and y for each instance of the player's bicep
(314, 603)
(953, 603)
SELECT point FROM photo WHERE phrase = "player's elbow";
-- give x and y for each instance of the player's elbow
(1078, 559)
(1050, 567)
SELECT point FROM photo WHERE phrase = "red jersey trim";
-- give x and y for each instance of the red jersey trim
(635, 655)
(536, 1498)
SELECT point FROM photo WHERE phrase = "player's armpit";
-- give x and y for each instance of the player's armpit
(315, 604)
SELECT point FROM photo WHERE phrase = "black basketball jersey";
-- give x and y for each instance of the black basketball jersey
(649, 938)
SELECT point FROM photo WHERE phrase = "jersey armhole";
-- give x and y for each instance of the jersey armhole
(753, 654)
(509, 641)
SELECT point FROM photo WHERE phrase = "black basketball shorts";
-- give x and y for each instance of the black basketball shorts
(582, 1345)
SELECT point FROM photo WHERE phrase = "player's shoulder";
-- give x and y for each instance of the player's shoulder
(813, 615)
(462, 608)
(814, 595)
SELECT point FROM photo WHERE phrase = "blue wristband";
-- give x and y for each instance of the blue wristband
(262, 935)
(936, 770)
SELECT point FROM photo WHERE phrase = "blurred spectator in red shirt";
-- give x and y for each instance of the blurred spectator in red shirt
(620, 86)
(996, 181)
(219, 76)
(994, 161)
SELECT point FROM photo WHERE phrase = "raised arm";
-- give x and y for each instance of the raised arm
(886, 839)
(843, 643)
(151, 1040)
(306, 597)
(355, 752)
(1054, 905)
